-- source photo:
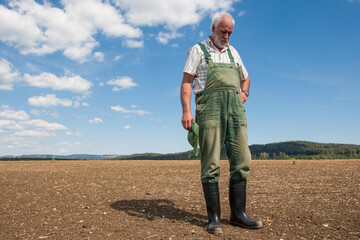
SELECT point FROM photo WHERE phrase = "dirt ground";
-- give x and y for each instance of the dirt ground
(299, 199)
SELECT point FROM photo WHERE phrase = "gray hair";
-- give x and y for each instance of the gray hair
(217, 18)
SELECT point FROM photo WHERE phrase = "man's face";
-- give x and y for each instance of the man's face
(221, 34)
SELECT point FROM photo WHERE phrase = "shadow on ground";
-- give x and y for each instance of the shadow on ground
(158, 208)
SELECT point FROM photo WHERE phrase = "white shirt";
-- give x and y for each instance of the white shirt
(195, 63)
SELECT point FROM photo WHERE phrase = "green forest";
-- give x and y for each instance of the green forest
(280, 150)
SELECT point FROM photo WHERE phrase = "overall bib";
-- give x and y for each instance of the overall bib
(220, 115)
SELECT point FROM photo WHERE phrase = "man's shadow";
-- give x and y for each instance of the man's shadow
(158, 208)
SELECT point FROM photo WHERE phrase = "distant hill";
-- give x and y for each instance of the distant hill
(305, 150)
(62, 157)
(280, 150)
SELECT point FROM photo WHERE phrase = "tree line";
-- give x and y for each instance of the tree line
(281, 150)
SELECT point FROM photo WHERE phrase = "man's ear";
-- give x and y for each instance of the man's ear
(213, 28)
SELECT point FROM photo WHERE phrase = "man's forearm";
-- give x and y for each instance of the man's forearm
(245, 85)
(185, 94)
(185, 100)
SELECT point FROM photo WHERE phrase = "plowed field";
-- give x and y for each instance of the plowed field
(317, 199)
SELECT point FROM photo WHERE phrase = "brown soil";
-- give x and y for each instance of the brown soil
(298, 199)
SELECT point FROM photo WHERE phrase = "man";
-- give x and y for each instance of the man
(221, 86)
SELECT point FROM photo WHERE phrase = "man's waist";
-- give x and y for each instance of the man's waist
(223, 88)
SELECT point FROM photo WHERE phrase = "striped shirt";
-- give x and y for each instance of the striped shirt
(195, 63)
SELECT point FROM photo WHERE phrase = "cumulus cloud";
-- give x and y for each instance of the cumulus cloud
(8, 75)
(241, 13)
(7, 113)
(49, 100)
(123, 110)
(164, 38)
(9, 125)
(78, 133)
(74, 84)
(42, 124)
(34, 133)
(133, 43)
(96, 120)
(19, 125)
(118, 57)
(171, 13)
(99, 56)
(40, 29)
(122, 82)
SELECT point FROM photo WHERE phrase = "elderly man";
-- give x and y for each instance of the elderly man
(221, 86)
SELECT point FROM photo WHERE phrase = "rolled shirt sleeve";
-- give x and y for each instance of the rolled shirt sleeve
(192, 61)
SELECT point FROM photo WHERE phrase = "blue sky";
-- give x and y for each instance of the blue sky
(103, 77)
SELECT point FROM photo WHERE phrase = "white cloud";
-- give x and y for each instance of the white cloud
(80, 52)
(133, 43)
(34, 133)
(78, 134)
(74, 84)
(63, 151)
(127, 127)
(241, 13)
(37, 113)
(118, 57)
(123, 110)
(20, 122)
(17, 142)
(96, 120)
(76, 104)
(122, 82)
(49, 100)
(9, 125)
(42, 124)
(68, 144)
(41, 29)
(7, 113)
(18, 28)
(99, 56)
(171, 13)
(164, 38)
(156, 120)
(8, 75)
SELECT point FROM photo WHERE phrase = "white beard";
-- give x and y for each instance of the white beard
(220, 43)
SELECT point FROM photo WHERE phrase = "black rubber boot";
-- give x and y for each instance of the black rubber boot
(237, 197)
(212, 199)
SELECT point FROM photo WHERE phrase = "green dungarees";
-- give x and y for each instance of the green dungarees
(221, 118)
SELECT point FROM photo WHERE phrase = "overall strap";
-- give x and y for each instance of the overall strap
(230, 55)
(207, 54)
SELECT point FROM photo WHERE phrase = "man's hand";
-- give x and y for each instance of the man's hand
(243, 97)
(244, 85)
(186, 120)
